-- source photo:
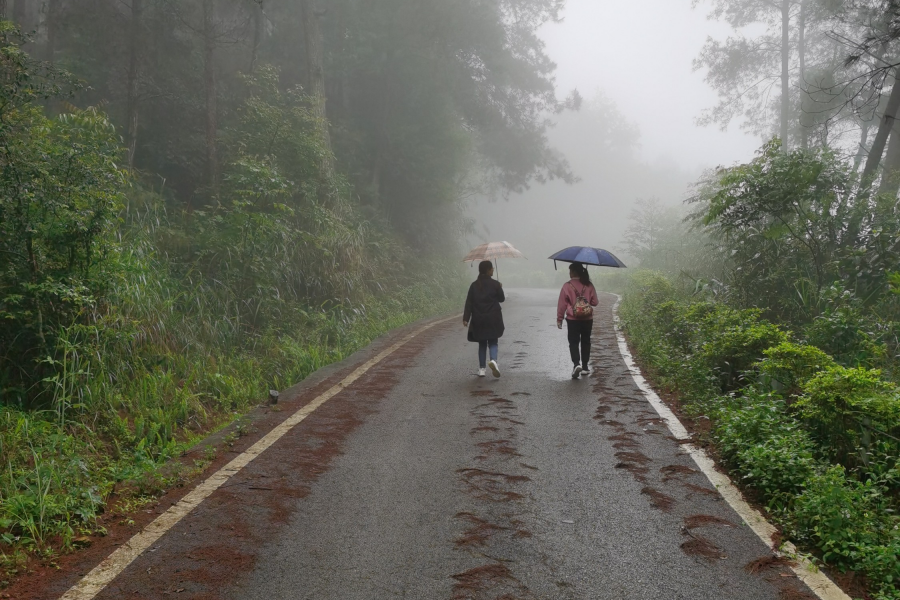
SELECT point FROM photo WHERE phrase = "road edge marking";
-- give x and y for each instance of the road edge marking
(807, 572)
(103, 574)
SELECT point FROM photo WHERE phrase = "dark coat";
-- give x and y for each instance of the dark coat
(483, 309)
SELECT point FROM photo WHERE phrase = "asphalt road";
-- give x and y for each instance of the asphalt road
(424, 481)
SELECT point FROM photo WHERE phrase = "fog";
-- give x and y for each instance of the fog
(636, 135)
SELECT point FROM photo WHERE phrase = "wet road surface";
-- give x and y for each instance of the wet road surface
(424, 481)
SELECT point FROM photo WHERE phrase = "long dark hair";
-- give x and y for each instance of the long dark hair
(581, 271)
(484, 268)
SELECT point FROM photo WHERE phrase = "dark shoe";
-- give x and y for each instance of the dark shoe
(576, 372)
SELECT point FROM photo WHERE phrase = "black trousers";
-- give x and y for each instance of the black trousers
(580, 338)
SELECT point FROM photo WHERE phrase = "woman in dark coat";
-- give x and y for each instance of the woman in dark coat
(483, 311)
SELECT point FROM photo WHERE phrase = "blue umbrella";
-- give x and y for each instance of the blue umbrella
(587, 256)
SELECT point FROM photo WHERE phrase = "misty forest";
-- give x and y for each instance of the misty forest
(204, 200)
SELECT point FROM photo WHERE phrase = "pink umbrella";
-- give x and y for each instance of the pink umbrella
(492, 251)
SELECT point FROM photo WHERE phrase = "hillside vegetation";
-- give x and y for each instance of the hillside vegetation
(774, 313)
(204, 200)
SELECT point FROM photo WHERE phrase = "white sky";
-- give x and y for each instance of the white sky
(640, 53)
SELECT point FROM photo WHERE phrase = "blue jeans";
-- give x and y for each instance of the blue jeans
(483, 346)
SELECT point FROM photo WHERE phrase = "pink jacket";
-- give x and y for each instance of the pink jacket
(567, 295)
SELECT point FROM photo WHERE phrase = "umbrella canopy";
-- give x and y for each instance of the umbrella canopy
(493, 250)
(588, 256)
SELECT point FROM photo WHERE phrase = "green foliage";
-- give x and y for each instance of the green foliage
(650, 288)
(47, 489)
(814, 440)
(758, 435)
(611, 280)
(847, 409)
(276, 127)
(789, 366)
(734, 342)
(722, 342)
(796, 240)
(781, 220)
(846, 331)
(60, 194)
(25, 80)
(851, 523)
(653, 312)
(662, 238)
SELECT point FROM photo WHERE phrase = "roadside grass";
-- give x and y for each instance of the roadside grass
(131, 395)
(817, 441)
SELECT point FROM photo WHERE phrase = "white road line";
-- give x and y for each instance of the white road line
(820, 584)
(94, 582)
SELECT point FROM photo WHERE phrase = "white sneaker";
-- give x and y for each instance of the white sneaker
(586, 371)
(495, 368)
(481, 372)
(576, 371)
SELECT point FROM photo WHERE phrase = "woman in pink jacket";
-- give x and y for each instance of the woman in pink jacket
(577, 300)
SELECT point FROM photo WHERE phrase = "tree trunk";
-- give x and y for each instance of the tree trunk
(209, 79)
(131, 109)
(343, 78)
(801, 54)
(863, 140)
(52, 29)
(258, 22)
(315, 73)
(884, 129)
(785, 71)
(890, 175)
(3, 9)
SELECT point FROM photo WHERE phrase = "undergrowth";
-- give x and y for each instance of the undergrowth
(815, 436)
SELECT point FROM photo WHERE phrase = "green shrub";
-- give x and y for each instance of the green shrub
(669, 318)
(770, 449)
(614, 281)
(733, 341)
(60, 192)
(654, 318)
(849, 522)
(847, 332)
(650, 288)
(789, 366)
(847, 409)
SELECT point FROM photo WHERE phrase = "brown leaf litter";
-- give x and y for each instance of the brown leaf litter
(695, 521)
(700, 546)
(659, 500)
(767, 562)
